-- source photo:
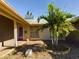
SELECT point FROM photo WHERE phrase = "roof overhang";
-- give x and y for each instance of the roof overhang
(9, 12)
(34, 22)
(73, 19)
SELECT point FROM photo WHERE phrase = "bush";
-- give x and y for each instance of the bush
(74, 35)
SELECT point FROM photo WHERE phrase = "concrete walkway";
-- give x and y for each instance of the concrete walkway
(5, 52)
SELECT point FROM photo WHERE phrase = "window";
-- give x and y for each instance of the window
(34, 34)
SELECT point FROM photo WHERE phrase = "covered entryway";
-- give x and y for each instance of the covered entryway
(11, 32)
(20, 32)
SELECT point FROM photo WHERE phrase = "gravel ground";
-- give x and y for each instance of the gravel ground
(73, 54)
(37, 55)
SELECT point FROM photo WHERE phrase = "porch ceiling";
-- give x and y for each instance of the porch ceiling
(6, 29)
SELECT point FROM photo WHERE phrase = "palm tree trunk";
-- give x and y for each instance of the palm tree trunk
(57, 41)
(57, 36)
(52, 40)
(51, 37)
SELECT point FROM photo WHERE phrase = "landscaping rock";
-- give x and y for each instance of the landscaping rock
(28, 52)
(35, 48)
(19, 53)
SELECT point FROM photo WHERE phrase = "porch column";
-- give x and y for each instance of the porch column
(28, 34)
(15, 33)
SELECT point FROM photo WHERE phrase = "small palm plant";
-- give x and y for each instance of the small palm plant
(57, 24)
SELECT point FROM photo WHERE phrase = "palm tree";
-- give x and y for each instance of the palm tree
(57, 24)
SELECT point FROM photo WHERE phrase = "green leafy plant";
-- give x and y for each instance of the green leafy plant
(57, 24)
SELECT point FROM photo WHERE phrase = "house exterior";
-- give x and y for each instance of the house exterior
(38, 35)
(14, 27)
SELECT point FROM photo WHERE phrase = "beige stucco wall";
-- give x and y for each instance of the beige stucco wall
(6, 29)
(43, 35)
(26, 32)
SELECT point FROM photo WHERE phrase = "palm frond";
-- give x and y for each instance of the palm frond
(42, 17)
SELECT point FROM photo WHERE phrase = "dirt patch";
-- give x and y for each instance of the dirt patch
(35, 55)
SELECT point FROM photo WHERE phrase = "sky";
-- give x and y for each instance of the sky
(39, 7)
